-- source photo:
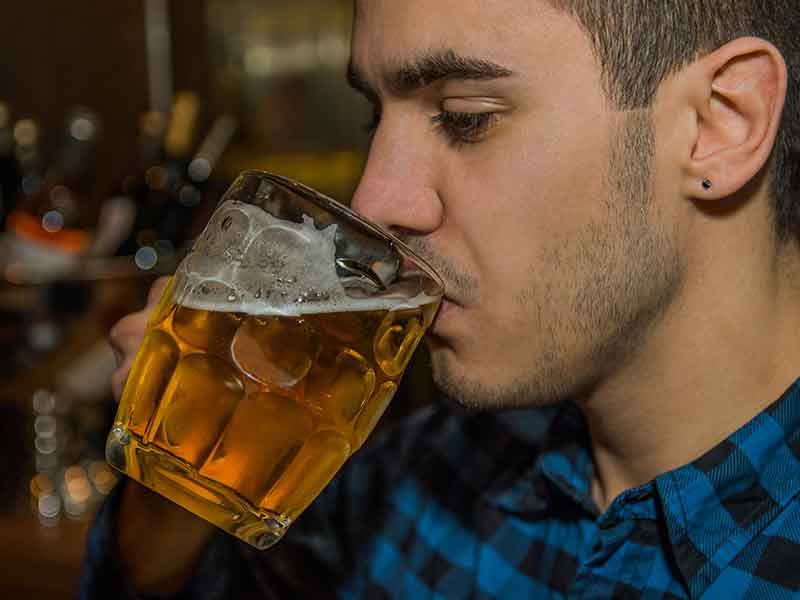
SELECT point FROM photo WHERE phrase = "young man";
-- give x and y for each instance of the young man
(608, 188)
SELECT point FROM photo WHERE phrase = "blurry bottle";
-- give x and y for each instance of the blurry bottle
(9, 172)
(127, 211)
(27, 153)
(211, 150)
(152, 130)
(182, 130)
(56, 217)
(202, 169)
(162, 215)
(50, 228)
(167, 181)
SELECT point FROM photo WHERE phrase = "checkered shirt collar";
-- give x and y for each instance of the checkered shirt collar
(711, 507)
(561, 465)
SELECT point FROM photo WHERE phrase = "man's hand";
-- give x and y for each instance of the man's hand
(159, 542)
(127, 335)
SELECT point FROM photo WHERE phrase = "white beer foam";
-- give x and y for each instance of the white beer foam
(315, 308)
(250, 262)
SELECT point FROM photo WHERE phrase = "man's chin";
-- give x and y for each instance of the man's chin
(449, 379)
(472, 389)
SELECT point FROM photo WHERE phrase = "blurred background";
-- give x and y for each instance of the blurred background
(121, 123)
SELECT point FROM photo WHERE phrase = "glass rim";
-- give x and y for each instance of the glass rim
(340, 209)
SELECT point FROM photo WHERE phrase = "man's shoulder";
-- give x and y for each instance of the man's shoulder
(774, 554)
(767, 566)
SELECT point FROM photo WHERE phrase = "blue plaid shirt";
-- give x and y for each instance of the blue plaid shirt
(452, 505)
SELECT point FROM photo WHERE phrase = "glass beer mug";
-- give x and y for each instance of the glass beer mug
(275, 349)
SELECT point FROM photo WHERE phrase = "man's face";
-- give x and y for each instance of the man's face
(497, 157)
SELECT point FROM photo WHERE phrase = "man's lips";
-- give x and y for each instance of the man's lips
(449, 303)
(447, 307)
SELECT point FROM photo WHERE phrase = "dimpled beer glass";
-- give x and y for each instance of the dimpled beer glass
(275, 349)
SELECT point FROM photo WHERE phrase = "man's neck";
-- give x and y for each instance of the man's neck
(711, 364)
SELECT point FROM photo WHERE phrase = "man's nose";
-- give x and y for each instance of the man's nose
(397, 188)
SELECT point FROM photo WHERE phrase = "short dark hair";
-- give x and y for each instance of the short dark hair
(639, 43)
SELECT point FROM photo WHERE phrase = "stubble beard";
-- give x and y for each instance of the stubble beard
(625, 270)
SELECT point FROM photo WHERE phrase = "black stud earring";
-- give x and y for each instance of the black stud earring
(707, 185)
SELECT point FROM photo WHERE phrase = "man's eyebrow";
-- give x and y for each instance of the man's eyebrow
(426, 69)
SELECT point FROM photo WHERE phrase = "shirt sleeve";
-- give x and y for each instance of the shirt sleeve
(316, 559)
(309, 560)
(102, 576)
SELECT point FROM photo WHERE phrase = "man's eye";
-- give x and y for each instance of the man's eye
(464, 128)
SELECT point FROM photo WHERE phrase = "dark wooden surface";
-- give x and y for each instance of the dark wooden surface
(57, 54)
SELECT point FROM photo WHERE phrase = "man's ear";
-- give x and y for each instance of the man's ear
(738, 92)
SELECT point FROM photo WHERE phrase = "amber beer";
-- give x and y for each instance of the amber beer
(243, 419)
(270, 358)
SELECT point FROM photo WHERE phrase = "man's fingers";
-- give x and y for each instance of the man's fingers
(127, 334)
(125, 338)
(119, 378)
(157, 290)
